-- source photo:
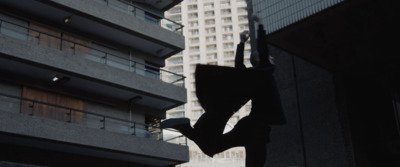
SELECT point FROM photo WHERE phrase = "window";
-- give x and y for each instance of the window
(230, 63)
(195, 103)
(225, 4)
(193, 15)
(178, 60)
(243, 27)
(227, 20)
(194, 32)
(228, 45)
(176, 19)
(209, 13)
(208, 6)
(197, 113)
(229, 54)
(175, 11)
(212, 63)
(211, 47)
(192, 7)
(194, 40)
(194, 57)
(194, 49)
(193, 24)
(234, 120)
(242, 19)
(211, 56)
(210, 21)
(13, 30)
(242, 11)
(210, 30)
(176, 114)
(211, 39)
(177, 70)
(226, 12)
(227, 37)
(227, 29)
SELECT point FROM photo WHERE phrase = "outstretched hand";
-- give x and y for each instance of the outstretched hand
(244, 36)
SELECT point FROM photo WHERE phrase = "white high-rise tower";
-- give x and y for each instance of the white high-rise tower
(211, 32)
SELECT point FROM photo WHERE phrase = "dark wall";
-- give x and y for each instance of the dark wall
(316, 133)
(372, 121)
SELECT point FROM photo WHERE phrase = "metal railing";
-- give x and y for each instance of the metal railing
(15, 104)
(141, 13)
(63, 44)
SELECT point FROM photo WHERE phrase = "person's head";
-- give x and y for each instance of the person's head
(255, 17)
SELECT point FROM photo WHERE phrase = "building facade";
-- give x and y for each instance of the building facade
(211, 33)
(338, 80)
(81, 83)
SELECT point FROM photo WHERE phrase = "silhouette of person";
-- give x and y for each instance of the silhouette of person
(252, 131)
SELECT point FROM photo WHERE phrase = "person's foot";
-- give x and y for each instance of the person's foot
(180, 124)
(202, 140)
(174, 123)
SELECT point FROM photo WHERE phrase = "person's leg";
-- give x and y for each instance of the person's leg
(266, 104)
(206, 134)
(245, 131)
(256, 154)
(253, 136)
(180, 124)
(238, 136)
(209, 131)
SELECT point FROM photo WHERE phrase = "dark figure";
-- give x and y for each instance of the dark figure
(257, 84)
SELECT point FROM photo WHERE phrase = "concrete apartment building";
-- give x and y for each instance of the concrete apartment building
(337, 70)
(81, 84)
(211, 32)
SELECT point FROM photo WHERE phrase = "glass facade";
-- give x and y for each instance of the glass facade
(276, 14)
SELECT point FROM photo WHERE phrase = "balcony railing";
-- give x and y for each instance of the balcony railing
(15, 104)
(141, 13)
(43, 38)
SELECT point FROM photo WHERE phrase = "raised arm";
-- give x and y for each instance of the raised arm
(239, 63)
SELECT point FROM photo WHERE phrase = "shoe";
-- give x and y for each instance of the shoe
(174, 123)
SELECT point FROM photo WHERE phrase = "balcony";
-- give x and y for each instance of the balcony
(140, 28)
(193, 16)
(31, 123)
(192, 8)
(41, 55)
(174, 12)
(209, 14)
(160, 5)
(225, 5)
(208, 7)
(79, 49)
(242, 11)
(192, 1)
